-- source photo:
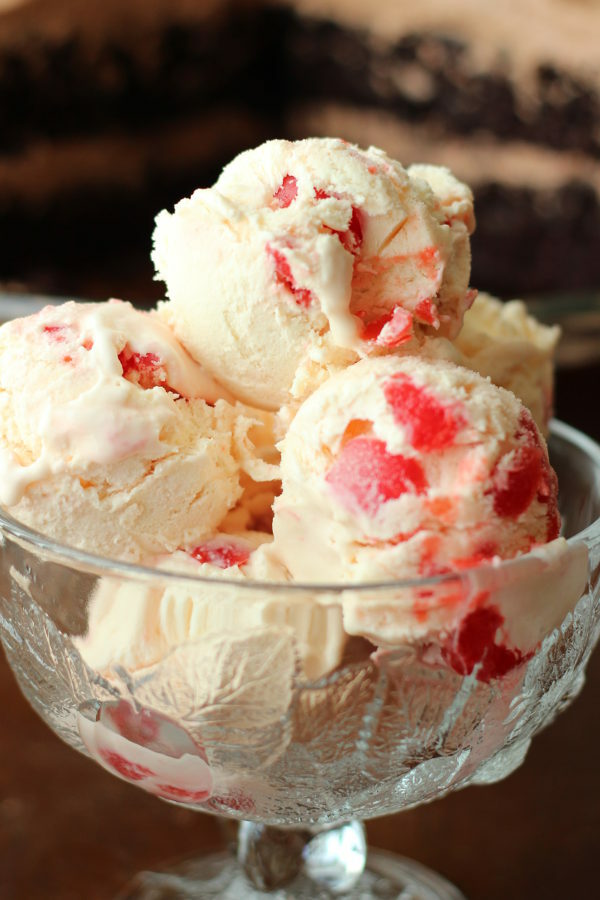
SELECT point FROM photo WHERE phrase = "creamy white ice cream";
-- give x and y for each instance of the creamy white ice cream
(331, 285)
(506, 343)
(306, 256)
(407, 467)
(112, 438)
(135, 625)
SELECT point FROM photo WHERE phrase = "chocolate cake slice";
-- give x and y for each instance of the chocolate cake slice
(538, 209)
(505, 94)
(68, 67)
(111, 111)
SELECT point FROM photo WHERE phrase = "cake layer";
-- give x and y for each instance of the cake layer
(519, 34)
(67, 69)
(538, 208)
(521, 69)
(87, 203)
(466, 66)
(48, 169)
(129, 105)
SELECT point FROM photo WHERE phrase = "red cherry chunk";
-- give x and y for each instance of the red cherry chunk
(553, 522)
(426, 312)
(500, 660)
(365, 475)
(528, 429)
(287, 192)
(482, 554)
(429, 262)
(125, 767)
(185, 795)
(475, 642)
(352, 238)
(139, 726)
(390, 330)
(284, 277)
(55, 332)
(515, 481)
(237, 801)
(143, 369)
(221, 553)
(429, 423)
(547, 485)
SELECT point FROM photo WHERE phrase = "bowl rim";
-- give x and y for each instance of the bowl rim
(93, 564)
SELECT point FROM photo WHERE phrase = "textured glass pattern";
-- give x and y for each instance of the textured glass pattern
(229, 724)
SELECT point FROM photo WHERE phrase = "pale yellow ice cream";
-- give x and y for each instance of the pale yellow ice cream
(523, 602)
(306, 256)
(328, 287)
(415, 468)
(112, 439)
(406, 467)
(506, 343)
(135, 625)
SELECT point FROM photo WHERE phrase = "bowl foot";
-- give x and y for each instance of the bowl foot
(386, 877)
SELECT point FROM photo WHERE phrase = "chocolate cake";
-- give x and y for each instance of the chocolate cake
(506, 94)
(111, 111)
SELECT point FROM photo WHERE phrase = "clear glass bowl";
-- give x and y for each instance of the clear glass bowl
(229, 723)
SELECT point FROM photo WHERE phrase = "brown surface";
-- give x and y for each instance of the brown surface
(68, 830)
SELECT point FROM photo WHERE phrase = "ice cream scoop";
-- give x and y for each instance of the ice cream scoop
(306, 256)
(133, 625)
(504, 342)
(490, 617)
(407, 467)
(112, 439)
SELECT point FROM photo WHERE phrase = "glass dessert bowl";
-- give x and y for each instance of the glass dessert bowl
(253, 721)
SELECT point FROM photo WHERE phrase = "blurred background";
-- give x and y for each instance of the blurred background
(110, 111)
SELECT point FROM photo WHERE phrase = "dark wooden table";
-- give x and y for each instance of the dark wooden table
(70, 831)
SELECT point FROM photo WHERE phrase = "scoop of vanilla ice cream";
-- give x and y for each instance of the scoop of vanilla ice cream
(112, 439)
(497, 614)
(504, 342)
(135, 625)
(403, 467)
(306, 256)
